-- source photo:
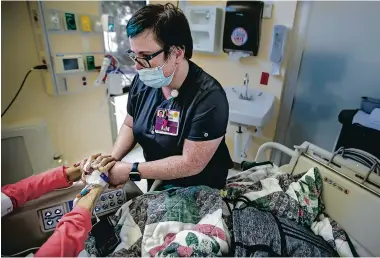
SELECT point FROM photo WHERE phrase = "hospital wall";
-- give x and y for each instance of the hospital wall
(79, 124)
(232, 73)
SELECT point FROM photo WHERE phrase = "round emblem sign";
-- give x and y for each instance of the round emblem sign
(239, 36)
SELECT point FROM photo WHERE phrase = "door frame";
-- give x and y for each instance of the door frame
(112, 117)
(297, 43)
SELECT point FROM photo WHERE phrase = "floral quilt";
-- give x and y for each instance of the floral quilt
(192, 221)
(172, 223)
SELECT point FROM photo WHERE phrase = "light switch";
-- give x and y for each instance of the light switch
(267, 12)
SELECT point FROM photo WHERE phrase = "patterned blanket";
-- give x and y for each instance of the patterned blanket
(192, 221)
(298, 198)
(176, 222)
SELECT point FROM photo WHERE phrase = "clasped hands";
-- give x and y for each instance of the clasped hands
(104, 164)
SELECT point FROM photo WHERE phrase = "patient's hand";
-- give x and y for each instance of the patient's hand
(102, 163)
(73, 173)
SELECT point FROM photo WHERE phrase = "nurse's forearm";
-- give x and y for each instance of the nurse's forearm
(124, 143)
(169, 168)
(195, 157)
(164, 169)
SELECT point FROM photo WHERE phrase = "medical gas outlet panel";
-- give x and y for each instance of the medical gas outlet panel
(74, 73)
(108, 202)
(74, 45)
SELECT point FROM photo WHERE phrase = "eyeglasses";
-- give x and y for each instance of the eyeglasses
(143, 61)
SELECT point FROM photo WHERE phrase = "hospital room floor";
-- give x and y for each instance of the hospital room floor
(136, 155)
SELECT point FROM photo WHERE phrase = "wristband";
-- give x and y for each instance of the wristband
(97, 178)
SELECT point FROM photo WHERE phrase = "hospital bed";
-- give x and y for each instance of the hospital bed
(350, 193)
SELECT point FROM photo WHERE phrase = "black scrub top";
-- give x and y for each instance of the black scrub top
(203, 108)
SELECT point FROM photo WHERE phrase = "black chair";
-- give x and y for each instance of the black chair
(357, 136)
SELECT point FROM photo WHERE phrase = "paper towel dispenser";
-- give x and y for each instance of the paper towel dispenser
(242, 26)
(206, 27)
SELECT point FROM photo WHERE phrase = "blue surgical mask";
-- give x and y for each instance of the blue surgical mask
(155, 77)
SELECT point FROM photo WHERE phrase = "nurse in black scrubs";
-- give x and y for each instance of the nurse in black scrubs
(190, 149)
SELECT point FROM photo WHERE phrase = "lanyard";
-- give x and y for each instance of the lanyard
(173, 94)
(171, 101)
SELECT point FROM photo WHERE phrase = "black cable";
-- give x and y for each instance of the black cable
(38, 67)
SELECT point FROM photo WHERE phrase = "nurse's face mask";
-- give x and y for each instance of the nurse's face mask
(152, 77)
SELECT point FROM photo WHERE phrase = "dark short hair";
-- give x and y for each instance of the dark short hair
(167, 22)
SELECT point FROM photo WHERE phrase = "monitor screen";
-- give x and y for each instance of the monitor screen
(15, 161)
(70, 64)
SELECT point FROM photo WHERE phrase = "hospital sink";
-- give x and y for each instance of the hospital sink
(249, 107)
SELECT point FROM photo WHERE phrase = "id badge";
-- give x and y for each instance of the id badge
(167, 122)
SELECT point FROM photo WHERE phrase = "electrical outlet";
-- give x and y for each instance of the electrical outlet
(36, 17)
(53, 20)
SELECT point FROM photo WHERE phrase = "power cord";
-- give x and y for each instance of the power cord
(22, 252)
(38, 67)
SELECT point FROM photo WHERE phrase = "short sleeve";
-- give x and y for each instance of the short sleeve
(132, 96)
(210, 117)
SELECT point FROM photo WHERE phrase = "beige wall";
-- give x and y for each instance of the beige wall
(78, 124)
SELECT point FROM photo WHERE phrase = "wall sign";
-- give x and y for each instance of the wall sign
(239, 36)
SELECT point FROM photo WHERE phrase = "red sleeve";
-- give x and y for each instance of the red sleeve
(69, 237)
(33, 187)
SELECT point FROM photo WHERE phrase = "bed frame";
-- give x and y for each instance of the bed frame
(351, 194)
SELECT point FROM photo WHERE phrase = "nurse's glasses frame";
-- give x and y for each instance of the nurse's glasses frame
(143, 61)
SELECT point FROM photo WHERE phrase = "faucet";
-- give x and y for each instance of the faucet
(245, 84)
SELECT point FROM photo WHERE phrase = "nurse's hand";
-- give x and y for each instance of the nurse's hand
(102, 163)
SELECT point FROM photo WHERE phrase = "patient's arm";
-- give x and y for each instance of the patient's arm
(72, 231)
(15, 195)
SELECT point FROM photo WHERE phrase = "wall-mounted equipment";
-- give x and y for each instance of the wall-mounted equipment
(68, 63)
(90, 63)
(108, 23)
(206, 27)
(70, 22)
(277, 51)
(242, 26)
(267, 14)
(72, 46)
(53, 20)
(85, 21)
